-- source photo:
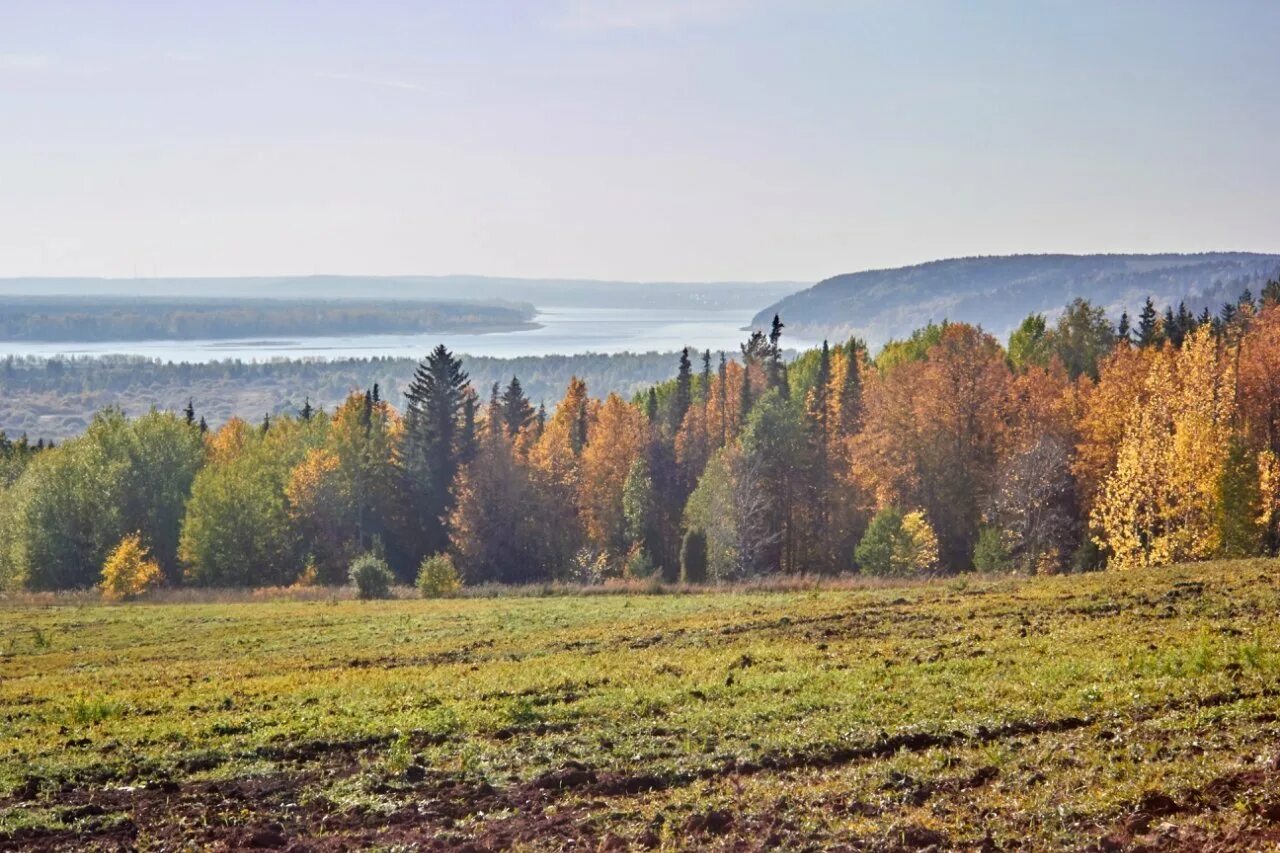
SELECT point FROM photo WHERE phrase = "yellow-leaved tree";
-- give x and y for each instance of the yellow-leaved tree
(129, 570)
(1159, 503)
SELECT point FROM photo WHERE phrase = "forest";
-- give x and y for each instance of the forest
(118, 318)
(1080, 445)
(55, 398)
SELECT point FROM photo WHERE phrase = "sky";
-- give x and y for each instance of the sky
(662, 140)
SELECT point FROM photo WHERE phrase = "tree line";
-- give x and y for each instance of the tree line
(1081, 444)
(107, 318)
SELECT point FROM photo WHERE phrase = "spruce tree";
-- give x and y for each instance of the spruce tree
(204, 425)
(683, 397)
(1148, 327)
(517, 412)
(1172, 331)
(307, 412)
(706, 378)
(722, 392)
(191, 412)
(433, 408)
(651, 405)
(777, 370)
(1122, 329)
(851, 389)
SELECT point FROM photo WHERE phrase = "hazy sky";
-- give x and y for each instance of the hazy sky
(708, 139)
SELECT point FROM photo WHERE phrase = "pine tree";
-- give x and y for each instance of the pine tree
(683, 397)
(433, 405)
(1148, 325)
(516, 409)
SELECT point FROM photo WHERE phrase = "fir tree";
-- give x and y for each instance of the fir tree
(1172, 329)
(1122, 329)
(851, 389)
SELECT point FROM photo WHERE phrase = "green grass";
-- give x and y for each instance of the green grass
(1037, 711)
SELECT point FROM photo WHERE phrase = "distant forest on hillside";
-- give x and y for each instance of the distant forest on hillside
(998, 292)
(122, 318)
(56, 398)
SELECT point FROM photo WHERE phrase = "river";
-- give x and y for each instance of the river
(563, 331)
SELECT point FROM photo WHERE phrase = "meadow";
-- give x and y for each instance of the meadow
(1104, 711)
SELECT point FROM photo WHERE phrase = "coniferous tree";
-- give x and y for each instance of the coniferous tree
(1271, 292)
(1172, 331)
(706, 378)
(467, 438)
(190, 412)
(1148, 325)
(540, 420)
(433, 409)
(516, 409)
(204, 425)
(722, 392)
(850, 391)
(683, 397)
(1122, 328)
(777, 370)
(266, 422)
(651, 406)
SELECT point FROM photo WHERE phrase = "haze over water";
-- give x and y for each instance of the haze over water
(563, 331)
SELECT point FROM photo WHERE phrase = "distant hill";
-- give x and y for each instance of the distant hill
(998, 292)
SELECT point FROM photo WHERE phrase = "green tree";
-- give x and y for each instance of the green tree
(1029, 344)
(431, 457)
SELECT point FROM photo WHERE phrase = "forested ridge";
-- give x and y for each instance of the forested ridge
(998, 291)
(116, 318)
(1082, 444)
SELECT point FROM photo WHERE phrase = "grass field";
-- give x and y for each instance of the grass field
(1106, 711)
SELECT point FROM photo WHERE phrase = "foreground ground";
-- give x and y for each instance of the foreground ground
(1104, 711)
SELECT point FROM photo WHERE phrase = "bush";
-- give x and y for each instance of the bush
(639, 565)
(438, 578)
(897, 544)
(371, 577)
(991, 554)
(129, 570)
(693, 557)
(309, 576)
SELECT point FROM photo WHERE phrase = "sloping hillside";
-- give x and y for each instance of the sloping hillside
(998, 292)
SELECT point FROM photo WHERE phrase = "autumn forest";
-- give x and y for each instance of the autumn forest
(1082, 444)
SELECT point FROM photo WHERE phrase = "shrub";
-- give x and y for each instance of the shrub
(309, 576)
(129, 570)
(693, 557)
(638, 564)
(438, 578)
(371, 577)
(897, 544)
(874, 553)
(991, 554)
